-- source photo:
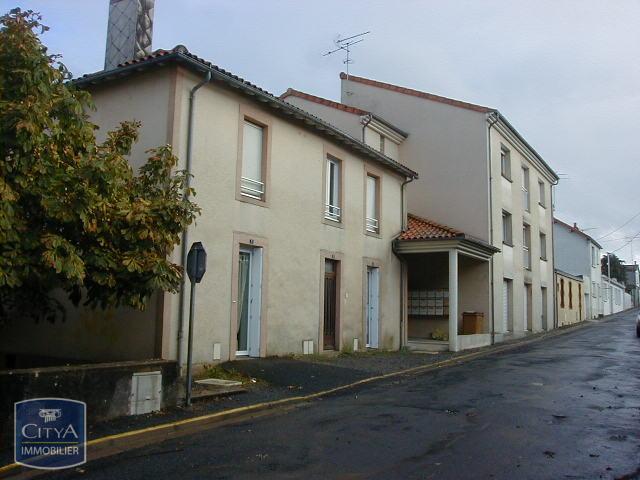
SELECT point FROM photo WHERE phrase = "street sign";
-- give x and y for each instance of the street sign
(196, 262)
(196, 266)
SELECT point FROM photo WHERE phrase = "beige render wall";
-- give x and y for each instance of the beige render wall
(574, 311)
(510, 263)
(345, 121)
(291, 225)
(85, 335)
(446, 145)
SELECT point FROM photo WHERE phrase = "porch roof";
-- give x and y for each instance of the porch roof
(426, 236)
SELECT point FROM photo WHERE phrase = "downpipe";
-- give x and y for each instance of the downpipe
(183, 248)
(403, 267)
(492, 122)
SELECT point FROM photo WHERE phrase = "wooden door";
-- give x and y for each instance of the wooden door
(330, 304)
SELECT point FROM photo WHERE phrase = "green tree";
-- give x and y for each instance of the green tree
(617, 270)
(73, 214)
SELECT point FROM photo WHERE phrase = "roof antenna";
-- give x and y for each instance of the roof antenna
(345, 44)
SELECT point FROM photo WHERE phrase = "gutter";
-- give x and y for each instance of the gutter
(183, 249)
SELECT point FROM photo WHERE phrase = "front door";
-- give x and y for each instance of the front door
(330, 304)
(249, 301)
(373, 312)
(527, 307)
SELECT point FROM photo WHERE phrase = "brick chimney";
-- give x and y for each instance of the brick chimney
(129, 31)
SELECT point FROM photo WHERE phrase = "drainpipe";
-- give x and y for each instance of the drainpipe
(492, 122)
(553, 261)
(183, 249)
(366, 121)
(403, 214)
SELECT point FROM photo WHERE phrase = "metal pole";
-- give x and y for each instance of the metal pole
(609, 289)
(192, 302)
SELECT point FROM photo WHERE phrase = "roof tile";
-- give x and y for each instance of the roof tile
(419, 228)
(322, 101)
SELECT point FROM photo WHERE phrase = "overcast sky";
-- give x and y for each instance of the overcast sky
(565, 73)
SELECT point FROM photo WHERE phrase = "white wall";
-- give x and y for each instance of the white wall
(447, 146)
(508, 196)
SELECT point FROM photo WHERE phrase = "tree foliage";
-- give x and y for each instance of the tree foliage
(617, 268)
(73, 214)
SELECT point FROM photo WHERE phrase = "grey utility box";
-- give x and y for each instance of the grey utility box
(146, 393)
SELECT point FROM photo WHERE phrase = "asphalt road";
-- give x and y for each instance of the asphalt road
(565, 407)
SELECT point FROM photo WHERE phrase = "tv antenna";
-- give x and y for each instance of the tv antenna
(345, 44)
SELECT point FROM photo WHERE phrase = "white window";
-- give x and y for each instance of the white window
(543, 246)
(382, 141)
(594, 256)
(525, 189)
(251, 180)
(526, 246)
(507, 228)
(372, 219)
(505, 163)
(333, 209)
(543, 195)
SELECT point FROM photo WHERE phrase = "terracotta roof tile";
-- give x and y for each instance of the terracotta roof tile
(419, 228)
(417, 93)
(322, 101)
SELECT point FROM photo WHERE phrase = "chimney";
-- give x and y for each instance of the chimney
(129, 31)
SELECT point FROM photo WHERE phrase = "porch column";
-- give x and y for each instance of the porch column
(453, 300)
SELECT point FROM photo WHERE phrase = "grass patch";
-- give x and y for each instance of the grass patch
(218, 371)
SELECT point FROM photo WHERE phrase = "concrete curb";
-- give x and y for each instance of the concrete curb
(122, 442)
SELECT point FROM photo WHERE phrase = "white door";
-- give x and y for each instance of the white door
(249, 301)
(525, 303)
(373, 310)
(506, 305)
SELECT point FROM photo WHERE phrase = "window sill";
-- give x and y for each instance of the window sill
(542, 205)
(543, 259)
(241, 197)
(507, 178)
(508, 244)
(372, 234)
(333, 223)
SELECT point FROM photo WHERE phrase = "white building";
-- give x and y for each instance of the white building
(577, 253)
(489, 233)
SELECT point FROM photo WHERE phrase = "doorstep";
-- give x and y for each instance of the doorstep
(428, 345)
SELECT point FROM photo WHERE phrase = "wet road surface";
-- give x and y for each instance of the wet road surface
(565, 407)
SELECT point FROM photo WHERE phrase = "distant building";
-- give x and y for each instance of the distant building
(578, 254)
(632, 283)
(613, 293)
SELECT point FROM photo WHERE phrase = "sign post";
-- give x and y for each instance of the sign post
(196, 266)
